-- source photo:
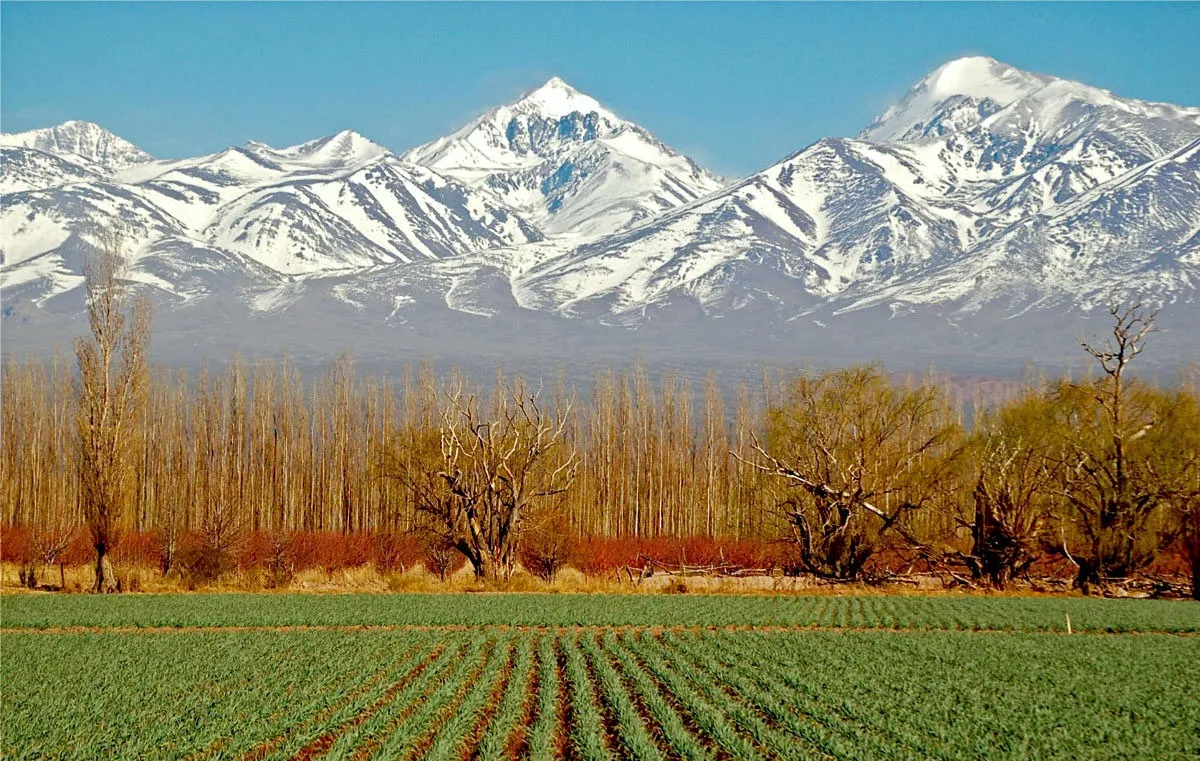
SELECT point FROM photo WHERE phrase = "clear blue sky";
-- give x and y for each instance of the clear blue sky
(736, 86)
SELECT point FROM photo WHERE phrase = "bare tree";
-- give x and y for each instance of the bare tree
(171, 438)
(864, 455)
(1129, 453)
(218, 440)
(1015, 474)
(491, 469)
(37, 478)
(113, 375)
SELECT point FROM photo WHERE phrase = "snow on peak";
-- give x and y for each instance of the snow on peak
(982, 77)
(80, 139)
(557, 99)
(520, 133)
(566, 163)
(343, 149)
(956, 95)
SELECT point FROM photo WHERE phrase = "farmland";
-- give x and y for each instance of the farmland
(540, 610)
(595, 677)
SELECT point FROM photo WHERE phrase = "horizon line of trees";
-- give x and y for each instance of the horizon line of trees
(844, 465)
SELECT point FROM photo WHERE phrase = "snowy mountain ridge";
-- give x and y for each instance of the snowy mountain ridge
(957, 196)
(986, 194)
(335, 203)
(80, 141)
(958, 94)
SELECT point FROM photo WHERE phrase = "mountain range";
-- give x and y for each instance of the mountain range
(980, 223)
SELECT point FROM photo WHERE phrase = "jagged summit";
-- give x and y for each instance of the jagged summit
(567, 163)
(513, 135)
(85, 140)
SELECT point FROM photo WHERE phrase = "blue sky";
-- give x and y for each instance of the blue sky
(736, 86)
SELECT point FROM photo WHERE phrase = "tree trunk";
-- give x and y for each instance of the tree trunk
(995, 553)
(106, 579)
(488, 568)
(1196, 576)
(28, 575)
(167, 561)
(1088, 576)
(478, 558)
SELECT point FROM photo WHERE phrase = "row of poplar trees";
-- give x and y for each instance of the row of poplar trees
(844, 465)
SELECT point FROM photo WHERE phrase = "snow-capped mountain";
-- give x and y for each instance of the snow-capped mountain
(80, 140)
(957, 95)
(29, 169)
(1135, 236)
(69, 153)
(994, 184)
(330, 204)
(974, 219)
(818, 222)
(568, 164)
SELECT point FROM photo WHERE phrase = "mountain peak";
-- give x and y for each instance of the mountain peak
(556, 99)
(981, 77)
(83, 139)
(349, 134)
(340, 149)
(566, 163)
(517, 134)
(78, 124)
(955, 95)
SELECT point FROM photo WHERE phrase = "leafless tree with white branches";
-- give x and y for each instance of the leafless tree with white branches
(492, 469)
(1129, 454)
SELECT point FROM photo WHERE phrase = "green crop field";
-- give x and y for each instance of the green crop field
(869, 612)
(592, 677)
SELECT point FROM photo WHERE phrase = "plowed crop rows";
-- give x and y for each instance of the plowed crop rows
(599, 692)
